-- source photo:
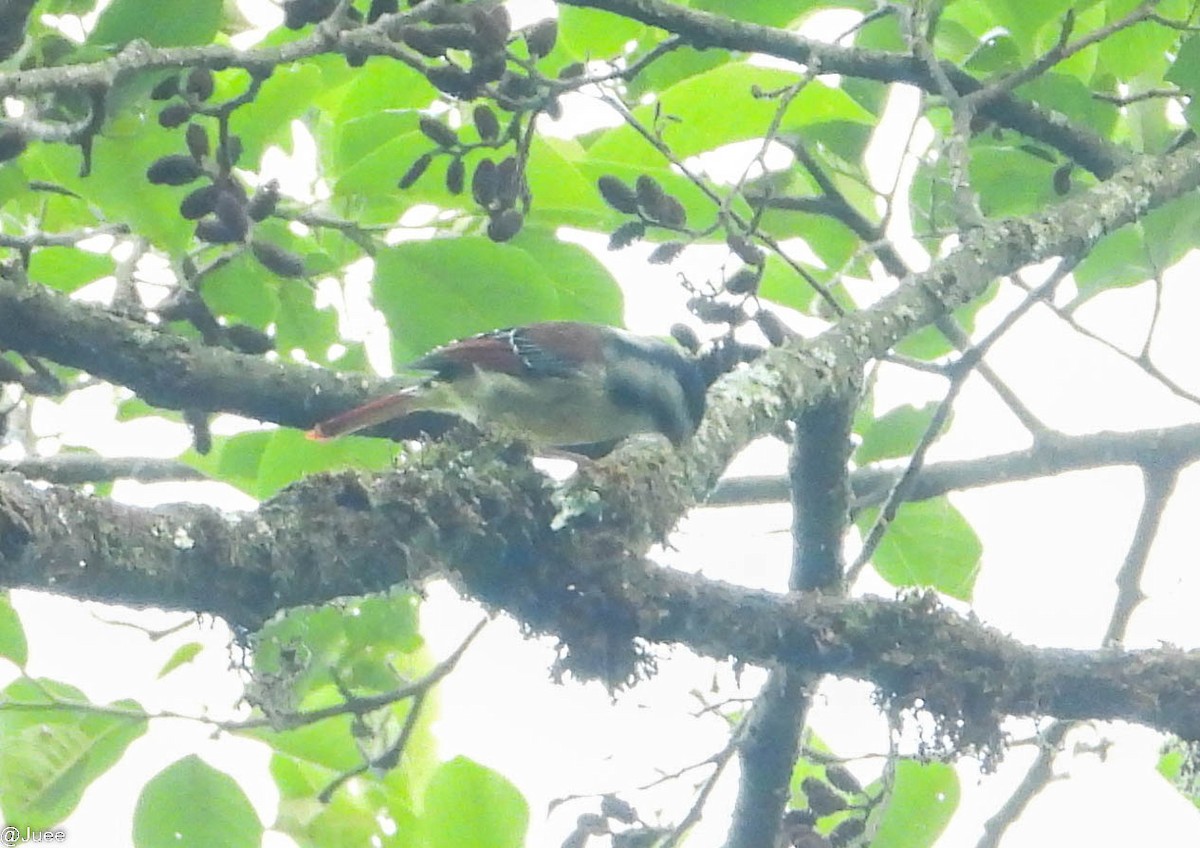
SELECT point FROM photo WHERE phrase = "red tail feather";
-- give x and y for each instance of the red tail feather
(373, 412)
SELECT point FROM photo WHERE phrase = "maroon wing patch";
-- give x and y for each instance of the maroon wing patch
(549, 349)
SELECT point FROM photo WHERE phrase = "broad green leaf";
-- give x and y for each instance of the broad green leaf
(928, 544)
(1068, 96)
(118, 183)
(467, 805)
(163, 23)
(441, 289)
(383, 87)
(1011, 181)
(12, 635)
(671, 69)
(685, 113)
(12, 182)
(49, 756)
(895, 433)
(190, 804)
(781, 284)
(1185, 70)
(182, 655)
(922, 800)
(586, 289)
(300, 325)
(1035, 26)
(68, 268)
(260, 463)
(284, 97)
(242, 290)
(592, 34)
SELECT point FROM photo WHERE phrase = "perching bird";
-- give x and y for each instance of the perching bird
(558, 384)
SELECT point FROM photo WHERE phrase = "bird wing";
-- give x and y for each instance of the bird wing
(548, 349)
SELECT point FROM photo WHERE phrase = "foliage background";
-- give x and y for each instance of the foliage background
(1016, 134)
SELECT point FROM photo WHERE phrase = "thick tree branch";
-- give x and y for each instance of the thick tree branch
(473, 515)
(820, 512)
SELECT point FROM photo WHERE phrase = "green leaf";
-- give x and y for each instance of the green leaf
(686, 111)
(190, 804)
(1185, 71)
(68, 268)
(592, 34)
(437, 290)
(262, 462)
(781, 284)
(49, 756)
(1011, 181)
(895, 433)
(12, 635)
(286, 96)
(242, 290)
(183, 654)
(301, 325)
(922, 800)
(928, 544)
(470, 806)
(163, 23)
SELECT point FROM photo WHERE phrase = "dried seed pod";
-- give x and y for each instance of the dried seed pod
(686, 337)
(822, 800)
(508, 182)
(553, 108)
(264, 201)
(617, 195)
(483, 183)
(492, 26)
(437, 132)
(1062, 178)
(456, 172)
(486, 123)
(197, 141)
(615, 808)
(249, 339)
(745, 250)
(231, 212)
(199, 203)
(12, 142)
(572, 71)
(649, 194)
(840, 778)
(665, 253)
(488, 67)
(166, 88)
(772, 327)
(846, 832)
(454, 36)
(423, 41)
(540, 37)
(296, 13)
(229, 153)
(379, 8)
(744, 281)
(174, 115)
(213, 231)
(356, 58)
(626, 234)
(415, 170)
(517, 86)
(671, 212)
(451, 80)
(200, 83)
(505, 225)
(175, 169)
(717, 312)
(277, 260)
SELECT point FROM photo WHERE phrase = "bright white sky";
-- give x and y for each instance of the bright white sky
(1051, 549)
